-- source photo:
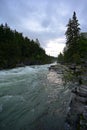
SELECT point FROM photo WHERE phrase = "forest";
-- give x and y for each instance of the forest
(17, 50)
(75, 50)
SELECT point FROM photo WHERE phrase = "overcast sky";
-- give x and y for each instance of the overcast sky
(43, 19)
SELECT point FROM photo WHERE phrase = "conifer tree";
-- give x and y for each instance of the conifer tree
(72, 38)
(69, 33)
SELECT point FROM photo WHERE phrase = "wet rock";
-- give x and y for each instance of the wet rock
(60, 69)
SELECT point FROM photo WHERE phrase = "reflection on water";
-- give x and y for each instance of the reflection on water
(32, 98)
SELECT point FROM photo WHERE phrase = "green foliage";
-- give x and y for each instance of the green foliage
(76, 58)
(68, 76)
(83, 48)
(16, 49)
(76, 45)
(73, 32)
(60, 58)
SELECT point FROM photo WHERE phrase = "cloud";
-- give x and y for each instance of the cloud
(55, 46)
(43, 19)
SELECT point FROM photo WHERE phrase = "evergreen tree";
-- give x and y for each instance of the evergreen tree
(69, 34)
(75, 31)
(60, 58)
(15, 49)
(72, 38)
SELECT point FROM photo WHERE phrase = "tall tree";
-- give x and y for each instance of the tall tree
(69, 33)
(75, 30)
(72, 38)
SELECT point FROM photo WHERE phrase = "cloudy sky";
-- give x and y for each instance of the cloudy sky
(43, 19)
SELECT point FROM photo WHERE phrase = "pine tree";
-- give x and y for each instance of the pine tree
(76, 31)
(69, 33)
(60, 58)
(72, 38)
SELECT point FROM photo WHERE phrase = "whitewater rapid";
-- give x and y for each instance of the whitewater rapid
(32, 98)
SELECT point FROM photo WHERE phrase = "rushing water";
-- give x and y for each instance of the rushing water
(32, 98)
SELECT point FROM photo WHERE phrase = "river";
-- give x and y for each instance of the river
(32, 98)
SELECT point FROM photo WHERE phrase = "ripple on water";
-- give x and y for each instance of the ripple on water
(1, 107)
(35, 99)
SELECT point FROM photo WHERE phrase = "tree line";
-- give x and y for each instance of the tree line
(75, 50)
(15, 49)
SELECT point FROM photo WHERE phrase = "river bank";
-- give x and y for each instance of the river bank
(77, 115)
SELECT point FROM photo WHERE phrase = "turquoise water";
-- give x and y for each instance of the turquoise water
(32, 98)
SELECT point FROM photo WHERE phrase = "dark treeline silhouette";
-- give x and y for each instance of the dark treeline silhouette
(76, 43)
(17, 50)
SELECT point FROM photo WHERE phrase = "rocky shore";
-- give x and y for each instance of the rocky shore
(77, 115)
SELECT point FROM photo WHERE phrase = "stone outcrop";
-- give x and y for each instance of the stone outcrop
(77, 115)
